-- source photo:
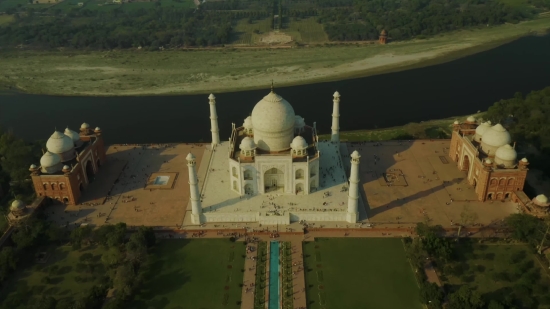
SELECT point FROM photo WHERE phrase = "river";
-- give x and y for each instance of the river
(458, 87)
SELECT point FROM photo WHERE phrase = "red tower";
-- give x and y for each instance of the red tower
(383, 37)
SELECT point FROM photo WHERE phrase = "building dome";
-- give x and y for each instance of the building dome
(248, 123)
(190, 157)
(471, 119)
(273, 121)
(74, 136)
(299, 143)
(524, 160)
(488, 161)
(541, 198)
(50, 159)
(355, 155)
(482, 128)
(17, 205)
(456, 122)
(84, 126)
(299, 122)
(59, 143)
(247, 144)
(493, 138)
(33, 166)
(506, 155)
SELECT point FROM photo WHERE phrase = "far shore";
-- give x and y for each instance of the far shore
(173, 72)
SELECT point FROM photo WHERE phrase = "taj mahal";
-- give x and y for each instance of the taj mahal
(274, 170)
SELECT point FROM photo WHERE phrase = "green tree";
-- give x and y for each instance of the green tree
(431, 295)
(465, 298)
(112, 257)
(8, 262)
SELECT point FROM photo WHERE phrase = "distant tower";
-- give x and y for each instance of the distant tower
(353, 194)
(196, 208)
(336, 118)
(214, 121)
(383, 37)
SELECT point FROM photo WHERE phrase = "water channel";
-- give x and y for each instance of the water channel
(274, 271)
(454, 88)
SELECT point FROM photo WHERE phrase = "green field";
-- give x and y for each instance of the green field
(64, 278)
(193, 274)
(243, 32)
(359, 273)
(477, 264)
(306, 30)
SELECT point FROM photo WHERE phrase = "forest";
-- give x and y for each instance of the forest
(212, 23)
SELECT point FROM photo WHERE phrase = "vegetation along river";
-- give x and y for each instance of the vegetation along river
(458, 87)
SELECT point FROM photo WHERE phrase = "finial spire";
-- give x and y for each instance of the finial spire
(272, 86)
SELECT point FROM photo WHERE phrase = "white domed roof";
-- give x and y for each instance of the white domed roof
(50, 159)
(336, 94)
(273, 114)
(488, 161)
(85, 126)
(66, 167)
(471, 119)
(59, 143)
(355, 155)
(299, 143)
(190, 157)
(456, 122)
(541, 198)
(72, 134)
(506, 153)
(247, 144)
(482, 128)
(248, 123)
(33, 166)
(17, 205)
(496, 136)
(97, 129)
(524, 160)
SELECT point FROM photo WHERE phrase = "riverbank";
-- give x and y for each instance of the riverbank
(133, 72)
(432, 129)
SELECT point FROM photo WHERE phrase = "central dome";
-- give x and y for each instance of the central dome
(273, 121)
(493, 138)
(59, 143)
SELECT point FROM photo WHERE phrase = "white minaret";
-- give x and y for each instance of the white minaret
(336, 118)
(214, 121)
(196, 208)
(353, 194)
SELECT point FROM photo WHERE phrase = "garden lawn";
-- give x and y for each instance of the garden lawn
(65, 278)
(359, 273)
(198, 273)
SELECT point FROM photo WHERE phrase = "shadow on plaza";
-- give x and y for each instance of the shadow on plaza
(402, 201)
(115, 176)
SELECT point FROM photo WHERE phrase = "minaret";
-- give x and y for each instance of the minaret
(214, 121)
(196, 208)
(336, 118)
(353, 194)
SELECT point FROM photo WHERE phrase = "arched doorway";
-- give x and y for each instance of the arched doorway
(274, 180)
(299, 188)
(466, 164)
(475, 183)
(89, 171)
(81, 187)
(65, 200)
(98, 163)
(248, 189)
(490, 196)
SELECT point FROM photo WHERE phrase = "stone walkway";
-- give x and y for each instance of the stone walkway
(299, 280)
(249, 278)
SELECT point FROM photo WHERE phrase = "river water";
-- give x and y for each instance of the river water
(458, 87)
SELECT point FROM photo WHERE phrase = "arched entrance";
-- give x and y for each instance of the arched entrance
(248, 189)
(274, 180)
(299, 188)
(475, 183)
(81, 187)
(89, 171)
(466, 164)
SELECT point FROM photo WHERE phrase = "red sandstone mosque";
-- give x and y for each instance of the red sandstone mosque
(69, 164)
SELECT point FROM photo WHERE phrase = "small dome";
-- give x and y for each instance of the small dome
(97, 129)
(456, 122)
(524, 160)
(496, 136)
(247, 144)
(211, 97)
(72, 134)
(383, 32)
(50, 159)
(299, 143)
(66, 167)
(190, 157)
(336, 94)
(248, 123)
(84, 126)
(488, 161)
(17, 205)
(506, 153)
(59, 143)
(355, 155)
(482, 128)
(541, 198)
(33, 166)
(470, 119)
(299, 122)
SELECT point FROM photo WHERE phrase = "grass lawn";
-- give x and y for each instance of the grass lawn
(6, 19)
(477, 265)
(359, 273)
(65, 280)
(198, 273)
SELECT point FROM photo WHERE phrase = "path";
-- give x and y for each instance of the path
(298, 281)
(249, 278)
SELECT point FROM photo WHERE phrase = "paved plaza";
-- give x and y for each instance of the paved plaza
(138, 185)
(409, 181)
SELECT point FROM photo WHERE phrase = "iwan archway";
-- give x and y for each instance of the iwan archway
(274, 180)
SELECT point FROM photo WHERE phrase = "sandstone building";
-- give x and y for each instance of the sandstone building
(69, 164)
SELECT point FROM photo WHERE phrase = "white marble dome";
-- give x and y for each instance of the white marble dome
(456, 122)
(190, 157)
(273, 122)
(59, 143)
(541, 198)
(506, 155)
(488, 161)
(50, 163)
(248, 123)
(493, 138)
(470, 119)
(524, 160)
(355, 155)
(17, 205)
(299, 143)
(482, 128)
(33, 166)
(84, 126)
(75, 137)
(247, 144)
